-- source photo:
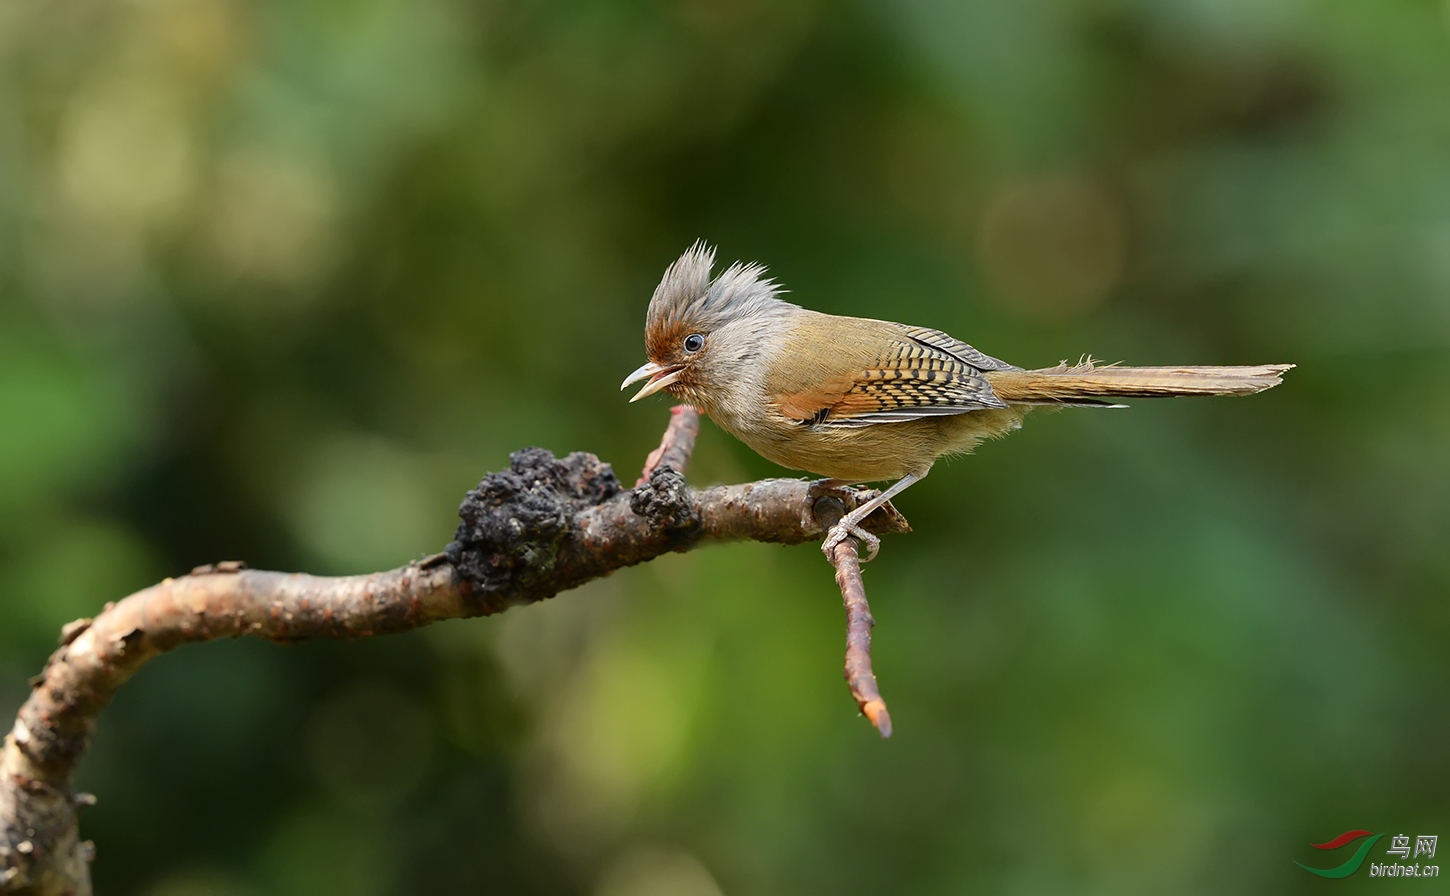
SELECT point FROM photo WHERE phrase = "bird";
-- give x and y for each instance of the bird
(858, 400)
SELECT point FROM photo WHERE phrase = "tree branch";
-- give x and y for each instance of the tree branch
(677, 445)
(859, 621)
(543, 526)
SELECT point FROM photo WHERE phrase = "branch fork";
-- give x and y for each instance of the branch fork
(543, 526)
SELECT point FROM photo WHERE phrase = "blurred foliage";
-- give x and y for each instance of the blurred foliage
(280, 280)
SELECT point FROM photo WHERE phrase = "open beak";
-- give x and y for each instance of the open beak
(659, 376)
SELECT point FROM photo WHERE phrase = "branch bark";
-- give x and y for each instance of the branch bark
(543, 526)
(677, 445)
(860, 675)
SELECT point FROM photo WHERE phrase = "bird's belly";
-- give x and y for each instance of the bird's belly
(878, 453)
(867, 454)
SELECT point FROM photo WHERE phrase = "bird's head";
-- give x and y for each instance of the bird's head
(701, 333)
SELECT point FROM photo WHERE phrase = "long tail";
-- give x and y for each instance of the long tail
(1088, 384)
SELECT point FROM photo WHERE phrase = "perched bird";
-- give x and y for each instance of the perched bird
(859, 400)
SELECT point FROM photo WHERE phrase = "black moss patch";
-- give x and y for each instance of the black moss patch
(515, 520)
(665, 502)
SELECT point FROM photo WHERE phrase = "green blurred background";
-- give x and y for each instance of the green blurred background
(279, 281)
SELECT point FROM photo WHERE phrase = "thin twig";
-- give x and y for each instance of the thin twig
(859, 621)
(677, 444)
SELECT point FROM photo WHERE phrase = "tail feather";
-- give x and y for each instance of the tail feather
(1087, 383)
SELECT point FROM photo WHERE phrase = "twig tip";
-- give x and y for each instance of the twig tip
(875, 711)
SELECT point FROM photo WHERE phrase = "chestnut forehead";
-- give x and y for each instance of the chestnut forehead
(664, 338)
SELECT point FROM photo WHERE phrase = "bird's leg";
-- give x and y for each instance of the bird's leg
(850, 524)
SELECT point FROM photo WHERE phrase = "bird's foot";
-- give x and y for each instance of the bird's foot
(850, 527)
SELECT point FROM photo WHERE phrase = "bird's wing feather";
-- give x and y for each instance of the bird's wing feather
(956, 348)
(912, 379)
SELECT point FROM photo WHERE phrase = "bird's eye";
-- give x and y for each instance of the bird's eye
(694, 342)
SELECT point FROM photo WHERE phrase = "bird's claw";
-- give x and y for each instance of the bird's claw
(849, 525)
(845, 529)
